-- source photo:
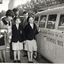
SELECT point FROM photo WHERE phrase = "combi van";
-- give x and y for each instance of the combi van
(50, 40)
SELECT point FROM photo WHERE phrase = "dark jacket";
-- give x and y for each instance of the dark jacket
(17, 33)
(29, 33)
(2, 41)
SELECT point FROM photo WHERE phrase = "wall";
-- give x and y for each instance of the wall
(14, 3)
(9, 4)
(4, 5)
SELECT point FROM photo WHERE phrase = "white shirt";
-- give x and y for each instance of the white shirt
(31, 25)
(17, 26)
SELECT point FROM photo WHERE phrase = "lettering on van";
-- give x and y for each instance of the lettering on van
(51, 34)
(56, 35)
(61, 36)
(60, 43)
(44, 32)
(51, 40)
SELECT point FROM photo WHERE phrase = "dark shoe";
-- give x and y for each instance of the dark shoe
(15, 61)
(11, 58)
(36, 59)
(0, 60)
(4, 61)
(30, 61)
(25, 56)
(19, 61)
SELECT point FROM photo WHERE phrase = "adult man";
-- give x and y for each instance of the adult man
(24, 23)
(16, 13)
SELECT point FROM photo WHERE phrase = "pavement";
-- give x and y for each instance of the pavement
(23, 59)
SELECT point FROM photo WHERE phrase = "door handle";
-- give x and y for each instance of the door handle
(62, 32)
(44, 36)
(40, 31)
(48, 30)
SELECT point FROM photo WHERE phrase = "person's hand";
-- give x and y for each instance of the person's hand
(1, 36)
(21, 32)
(24, 42)
(9, 39)
(39, 30)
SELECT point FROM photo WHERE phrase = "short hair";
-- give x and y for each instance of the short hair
(15, 9)
(9, 13)
(15, 18)
(24, 12)
(28, 19)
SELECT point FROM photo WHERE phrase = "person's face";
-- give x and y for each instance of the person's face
(18, 21)
(26, 15)
(10, 18)
(17, 13)
(31, 20)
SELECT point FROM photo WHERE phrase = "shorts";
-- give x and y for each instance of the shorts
(17, 46)
(31, 45)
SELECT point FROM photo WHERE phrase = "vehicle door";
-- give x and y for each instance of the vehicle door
(50, 43)
(60, 40)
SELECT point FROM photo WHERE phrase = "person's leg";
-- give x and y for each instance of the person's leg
(11, 52)
(4, 55)
(35, 48)
(15, 52)
(1, 56)
(25, 52)
(35, 54)
(29, 56)
(19, 56)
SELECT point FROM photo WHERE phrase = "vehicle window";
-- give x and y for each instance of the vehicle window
(61, 22)
(42, 21)
(51, 21)
(36, 20)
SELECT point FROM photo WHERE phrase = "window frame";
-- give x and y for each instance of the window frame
(41, 17)
(59, 26)
(48, 21)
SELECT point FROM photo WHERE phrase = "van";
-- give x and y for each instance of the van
(50, 40)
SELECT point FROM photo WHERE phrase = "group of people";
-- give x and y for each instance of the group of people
(22, 34)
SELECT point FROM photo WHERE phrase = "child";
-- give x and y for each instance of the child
(30, 31)
(17, 39)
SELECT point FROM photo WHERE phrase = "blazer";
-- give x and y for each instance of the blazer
(17, 33)
(29, 33)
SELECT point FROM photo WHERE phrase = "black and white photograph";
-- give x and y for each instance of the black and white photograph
(32, 31)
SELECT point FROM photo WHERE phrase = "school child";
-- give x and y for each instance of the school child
(30, 31)
(17, 39)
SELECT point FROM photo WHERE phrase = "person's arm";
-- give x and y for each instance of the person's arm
(3, 25)
(24, 33)
(37, 30)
